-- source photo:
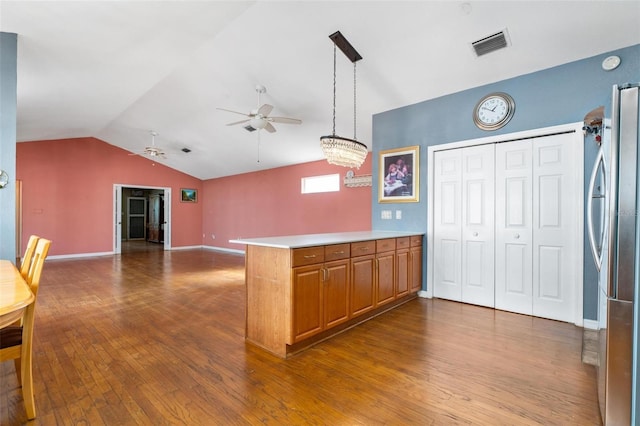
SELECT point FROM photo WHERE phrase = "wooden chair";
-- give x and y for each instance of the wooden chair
(28, 254)
(16, 341)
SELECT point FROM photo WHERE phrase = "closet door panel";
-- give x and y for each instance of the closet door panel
(553, 234)
(447, 225)
(478, 225)
(514, 249)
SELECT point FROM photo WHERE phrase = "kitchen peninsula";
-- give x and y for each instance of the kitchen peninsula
(302, 289)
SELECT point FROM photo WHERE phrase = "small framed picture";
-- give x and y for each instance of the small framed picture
(189, 195)
(398, 176)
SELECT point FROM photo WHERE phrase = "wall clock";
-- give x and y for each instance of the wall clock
(494, 111)
(4, 178)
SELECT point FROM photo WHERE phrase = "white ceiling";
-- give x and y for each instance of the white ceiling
(116, 70)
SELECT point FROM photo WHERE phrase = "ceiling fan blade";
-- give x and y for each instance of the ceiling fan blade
(285, 120)
(238, 122)
(235, 112)
(265, 109)
(269, 128)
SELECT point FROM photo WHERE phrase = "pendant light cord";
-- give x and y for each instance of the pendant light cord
(334, 90)
(354, 101)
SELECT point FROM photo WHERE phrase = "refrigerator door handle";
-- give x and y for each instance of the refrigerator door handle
(613, 198)
(596, 247)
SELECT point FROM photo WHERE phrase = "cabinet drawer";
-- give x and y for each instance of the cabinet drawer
(307, 256)
(416, 240)
(337, 252)
(387, 244)
(403, 242)
(363, 247)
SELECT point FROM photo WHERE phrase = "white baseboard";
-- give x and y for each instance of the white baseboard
(80, 255)
(111, 253)
(590, 324)
(186, 248)
(424, 294)
(224, 249)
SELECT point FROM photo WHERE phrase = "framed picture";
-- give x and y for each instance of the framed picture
(189, 195)
(399, 175)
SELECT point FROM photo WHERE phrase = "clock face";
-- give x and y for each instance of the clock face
(494, 111)
(4, 178)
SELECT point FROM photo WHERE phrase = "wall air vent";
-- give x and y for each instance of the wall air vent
(491, 43)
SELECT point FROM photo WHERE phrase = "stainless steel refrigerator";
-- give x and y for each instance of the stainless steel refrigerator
(613, 233)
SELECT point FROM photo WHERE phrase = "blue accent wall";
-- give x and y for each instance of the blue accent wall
(554, 96)
(8, 86)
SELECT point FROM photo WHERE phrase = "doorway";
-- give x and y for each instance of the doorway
(142, 218)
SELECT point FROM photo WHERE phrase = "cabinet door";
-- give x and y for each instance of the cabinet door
(306, 301)
(402, 272)
(362, 284)
(336, 292)
(385, 277)
(415, 266)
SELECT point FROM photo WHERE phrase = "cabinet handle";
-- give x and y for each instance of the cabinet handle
(338, 252)
(364, 248)
(324, 274)
(307, 256)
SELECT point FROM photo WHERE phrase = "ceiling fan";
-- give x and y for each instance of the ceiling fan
(259, 118)
(152, 150)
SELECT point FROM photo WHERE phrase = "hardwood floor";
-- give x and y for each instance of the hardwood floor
(156, 338)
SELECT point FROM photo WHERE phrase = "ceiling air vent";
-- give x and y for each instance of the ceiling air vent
(250, 128)
(491, 43)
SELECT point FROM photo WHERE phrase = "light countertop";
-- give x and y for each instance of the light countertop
(310, 240)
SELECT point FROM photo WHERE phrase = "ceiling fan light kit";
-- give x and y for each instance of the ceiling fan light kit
(339, 150)
(152, 150)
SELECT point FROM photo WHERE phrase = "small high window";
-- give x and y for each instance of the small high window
(325, 183)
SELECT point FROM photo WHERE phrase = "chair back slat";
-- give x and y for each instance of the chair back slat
(39, 256)
(28, 256)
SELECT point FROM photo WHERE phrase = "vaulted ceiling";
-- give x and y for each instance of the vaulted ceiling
(117, 70)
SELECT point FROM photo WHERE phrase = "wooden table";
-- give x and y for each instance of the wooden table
(15, 294)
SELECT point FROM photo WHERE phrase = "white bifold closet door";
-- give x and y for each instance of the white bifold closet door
(464, 231)
(535, 228)
(503, 226)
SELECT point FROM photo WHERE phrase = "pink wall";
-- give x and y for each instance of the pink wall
(67, 193)
(269, 203)
(67, 196)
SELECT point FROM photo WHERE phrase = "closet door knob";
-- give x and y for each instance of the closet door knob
(517, 236)
(475, 234)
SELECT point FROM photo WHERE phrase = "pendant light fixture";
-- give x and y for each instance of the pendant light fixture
(337, 149)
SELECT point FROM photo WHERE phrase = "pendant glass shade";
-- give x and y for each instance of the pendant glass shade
(343, 152)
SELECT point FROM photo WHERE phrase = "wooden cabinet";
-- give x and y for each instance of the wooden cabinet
(336, 293)
(402, 266)
(320, 291)
(385, 271)
(298, 296)
(415, 264)
(306, 302)
(362, 277)
(362, 280)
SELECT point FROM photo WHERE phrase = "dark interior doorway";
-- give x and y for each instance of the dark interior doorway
(142, 219)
